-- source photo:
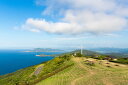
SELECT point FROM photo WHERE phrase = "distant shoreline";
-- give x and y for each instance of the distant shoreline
(42, 51)
(20, 59)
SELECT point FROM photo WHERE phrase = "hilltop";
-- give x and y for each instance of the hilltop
(73, 68)
(85, 52)
(101, 72)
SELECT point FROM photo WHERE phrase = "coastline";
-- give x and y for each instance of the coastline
(42, 51)
(18, 60)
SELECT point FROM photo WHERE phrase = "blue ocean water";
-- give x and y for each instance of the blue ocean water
(12, 60)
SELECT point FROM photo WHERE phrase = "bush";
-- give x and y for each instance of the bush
(121, 60)
(78, 55)
(90, 63)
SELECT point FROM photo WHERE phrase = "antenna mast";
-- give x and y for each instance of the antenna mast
(81, 49)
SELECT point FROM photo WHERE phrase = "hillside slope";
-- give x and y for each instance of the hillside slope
(34, 74)
(101, 73)
(70, 70)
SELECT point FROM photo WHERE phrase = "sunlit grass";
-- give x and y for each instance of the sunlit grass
(99, 74)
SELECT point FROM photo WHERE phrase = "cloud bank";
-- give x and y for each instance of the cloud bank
(80, 17)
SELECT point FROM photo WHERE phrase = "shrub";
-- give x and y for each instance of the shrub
(121, 60)
(78, 54)
(90, 63)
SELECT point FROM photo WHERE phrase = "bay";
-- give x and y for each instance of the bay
(13, 60)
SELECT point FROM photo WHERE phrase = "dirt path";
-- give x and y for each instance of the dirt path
(90, 72)
(38, 70)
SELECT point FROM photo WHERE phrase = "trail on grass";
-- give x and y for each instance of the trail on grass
(83, 74)
(90, 72)
(38, 70)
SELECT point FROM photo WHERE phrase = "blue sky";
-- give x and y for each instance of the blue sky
(67, 24)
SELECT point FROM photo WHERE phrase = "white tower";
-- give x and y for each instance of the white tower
(81, 49)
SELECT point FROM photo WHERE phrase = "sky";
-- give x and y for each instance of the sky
(63, 24)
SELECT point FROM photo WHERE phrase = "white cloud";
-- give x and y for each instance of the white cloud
(122, 11)
(80, 17)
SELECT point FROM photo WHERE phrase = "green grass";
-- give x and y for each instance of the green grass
(82, 74)
(64, 77)
(27, 75)
(67, 70)
(13, 78)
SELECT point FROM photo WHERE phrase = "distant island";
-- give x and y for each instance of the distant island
(44, 50)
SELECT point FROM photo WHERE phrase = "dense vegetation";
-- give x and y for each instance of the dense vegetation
(121, 60)
(17, 77)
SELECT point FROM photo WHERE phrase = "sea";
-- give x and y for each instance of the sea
(13, 60)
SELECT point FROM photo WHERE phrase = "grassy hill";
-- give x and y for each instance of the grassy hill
(101, 73)
(67, 69)
(85, 52)
(33, 74)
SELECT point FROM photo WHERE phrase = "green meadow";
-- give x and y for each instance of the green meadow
(101, 73)
(70, 70)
